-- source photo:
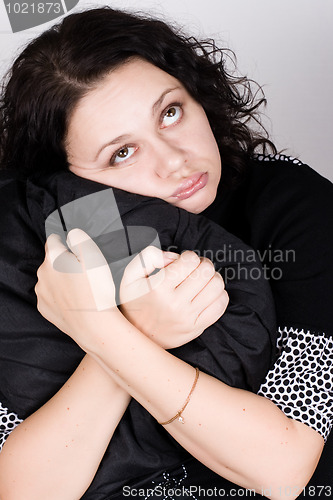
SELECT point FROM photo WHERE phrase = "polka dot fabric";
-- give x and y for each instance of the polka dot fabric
(277, 157)
(8, 422)
(301, 381)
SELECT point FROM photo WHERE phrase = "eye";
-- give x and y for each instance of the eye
(122, 154)
(172, 115)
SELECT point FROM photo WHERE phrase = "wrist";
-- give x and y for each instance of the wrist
(117, 343)
(93, 328)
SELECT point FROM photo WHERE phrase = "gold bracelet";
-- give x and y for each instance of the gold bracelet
(179, 413)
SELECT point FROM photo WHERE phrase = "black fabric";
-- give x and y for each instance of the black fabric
(36, 359)
(281, 205)
(285, 205)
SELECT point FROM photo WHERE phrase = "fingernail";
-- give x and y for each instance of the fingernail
(171, 255)
(76, 236)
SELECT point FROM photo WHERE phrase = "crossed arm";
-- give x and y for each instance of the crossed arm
(240, 435)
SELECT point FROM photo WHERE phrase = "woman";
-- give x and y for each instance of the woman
(281, 453)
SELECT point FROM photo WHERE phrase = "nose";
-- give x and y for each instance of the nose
(170, 159)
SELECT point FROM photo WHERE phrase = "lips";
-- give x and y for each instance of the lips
(191, 185)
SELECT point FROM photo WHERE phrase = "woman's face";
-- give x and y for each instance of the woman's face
(140, 131)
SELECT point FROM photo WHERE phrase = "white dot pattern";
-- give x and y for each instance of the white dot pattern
(8, 422)
(278, 157)
(301, 381)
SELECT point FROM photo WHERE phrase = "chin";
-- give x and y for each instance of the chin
(197, 206)
(201, 205)
(197, 209)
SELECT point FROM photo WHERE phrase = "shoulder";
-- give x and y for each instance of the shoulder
(283, 183)
(281, 200)
(290, 211)
(284, 210)
(288, 203)
(286, 199)
(282, 167)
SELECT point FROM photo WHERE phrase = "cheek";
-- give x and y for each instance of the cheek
(202, 137)
(126, 180)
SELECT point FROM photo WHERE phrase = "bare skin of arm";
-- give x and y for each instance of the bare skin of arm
(56, 451)
(240, 435)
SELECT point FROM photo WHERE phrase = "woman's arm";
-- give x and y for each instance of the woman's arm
(240, 435)
(56, 451)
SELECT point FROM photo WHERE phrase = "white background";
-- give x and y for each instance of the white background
(285, 45)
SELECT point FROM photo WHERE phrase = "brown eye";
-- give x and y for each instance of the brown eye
(172, 115)
(171, 112)
(122, 154)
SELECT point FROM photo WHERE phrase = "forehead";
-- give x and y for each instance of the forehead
(114, 105)
(136, 81)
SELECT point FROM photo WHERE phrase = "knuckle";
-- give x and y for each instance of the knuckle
(127, 272)
(218, 282)
(224, 299)
(149, 250)
(207, 269)
(220, 277)
(206, 260)
(40, 271)
(152, 252)
(190, 257)
(221, 301)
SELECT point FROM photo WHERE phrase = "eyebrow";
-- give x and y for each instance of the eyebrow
(117, 140)
(159, 101)
(125, 137)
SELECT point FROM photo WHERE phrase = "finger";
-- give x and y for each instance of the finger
(197, 280)
(213, 312)
(54, 247)
(211, 292)
(95, 266)
(181, 268)
(61, 259)
(85, 249)
(146, 262)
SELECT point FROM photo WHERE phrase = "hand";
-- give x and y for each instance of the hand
(73, 286)
(176, 304)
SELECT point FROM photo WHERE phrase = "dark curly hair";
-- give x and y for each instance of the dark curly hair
(59, 67)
